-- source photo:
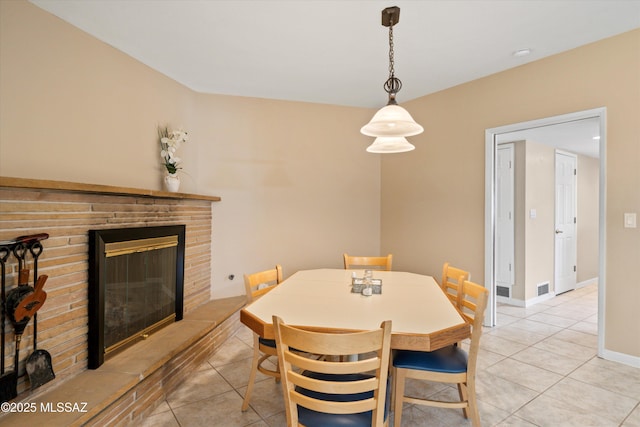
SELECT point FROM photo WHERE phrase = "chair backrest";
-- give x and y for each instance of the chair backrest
(473, 304)
(452, 279)
(258, 284)
(336, 378)
(370, 262)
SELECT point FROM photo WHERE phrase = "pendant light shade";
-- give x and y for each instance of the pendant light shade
(392, 123)
(393, 144)
(392, 120)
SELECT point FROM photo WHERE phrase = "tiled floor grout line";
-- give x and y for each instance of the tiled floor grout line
(637, 408)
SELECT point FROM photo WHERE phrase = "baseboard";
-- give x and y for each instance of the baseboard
(588, 282)
(510, 301)
(523, 303)
(541, 298)
(625, 359)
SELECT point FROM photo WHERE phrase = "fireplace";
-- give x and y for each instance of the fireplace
(136, 282)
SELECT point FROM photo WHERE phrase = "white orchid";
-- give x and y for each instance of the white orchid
(170, 141)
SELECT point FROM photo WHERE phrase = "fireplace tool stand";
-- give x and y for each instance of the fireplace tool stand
(19, 305)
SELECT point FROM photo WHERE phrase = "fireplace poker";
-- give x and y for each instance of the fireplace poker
(8, 380)
(5, 251)
(36, 249)
(20, 251)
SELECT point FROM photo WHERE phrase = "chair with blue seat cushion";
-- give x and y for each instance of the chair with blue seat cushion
(256, 285)
(449, 365)
(329, 392)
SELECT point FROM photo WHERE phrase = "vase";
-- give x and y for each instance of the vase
(172, 182)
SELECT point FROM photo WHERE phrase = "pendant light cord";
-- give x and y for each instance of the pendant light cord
(393, 84)
(391, 62)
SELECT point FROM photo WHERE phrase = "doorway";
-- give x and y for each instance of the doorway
(492, 139)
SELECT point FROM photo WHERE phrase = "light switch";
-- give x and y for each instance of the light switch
(630, 220)
(533, 213)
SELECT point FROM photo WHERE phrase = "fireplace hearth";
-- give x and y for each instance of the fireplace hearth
(136, 282)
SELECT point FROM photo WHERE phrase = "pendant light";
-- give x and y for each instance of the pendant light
(390, 144)
(392, 123)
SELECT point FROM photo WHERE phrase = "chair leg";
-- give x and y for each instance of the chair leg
(462, 392)
(472, 410)
(394, 376)
(398, 396)
(277, 370)
(252, 376)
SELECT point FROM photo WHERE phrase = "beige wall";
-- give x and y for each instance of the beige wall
(75, 109)
(534, 243)
(302, 192)
(588, 204)
(297, 186)
(539, 195)
(437, 191)
(520, 190)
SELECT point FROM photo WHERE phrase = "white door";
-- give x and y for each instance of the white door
(505, 231)
(565, 232)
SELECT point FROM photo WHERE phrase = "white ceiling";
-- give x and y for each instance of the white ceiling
(336, 51)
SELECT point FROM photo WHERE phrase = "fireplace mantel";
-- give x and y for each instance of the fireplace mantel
(43, 184)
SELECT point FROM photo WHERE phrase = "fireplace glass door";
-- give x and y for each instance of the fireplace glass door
(136, 286)
(140, 288)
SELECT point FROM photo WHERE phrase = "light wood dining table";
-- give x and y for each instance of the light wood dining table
(422, 316)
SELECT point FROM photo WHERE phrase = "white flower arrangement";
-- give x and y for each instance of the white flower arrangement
(170, 141)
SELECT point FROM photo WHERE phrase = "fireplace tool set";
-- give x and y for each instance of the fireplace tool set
(19, 305)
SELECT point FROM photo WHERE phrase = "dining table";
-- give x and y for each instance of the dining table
(423, 318)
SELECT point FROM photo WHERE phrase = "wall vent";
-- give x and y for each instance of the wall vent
(503, 291)
(543, 288)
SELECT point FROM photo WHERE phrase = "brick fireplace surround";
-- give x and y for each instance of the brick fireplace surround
(128, 386)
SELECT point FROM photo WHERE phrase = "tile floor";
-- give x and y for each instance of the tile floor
(538, 367)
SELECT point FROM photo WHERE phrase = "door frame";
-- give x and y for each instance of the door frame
(489, 238)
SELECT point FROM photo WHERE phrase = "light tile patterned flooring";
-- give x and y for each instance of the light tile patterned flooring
(538, 367)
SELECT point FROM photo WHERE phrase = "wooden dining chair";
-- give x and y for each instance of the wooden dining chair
(452, 279)
(320, 392)
(449, 365)
(256, 285)
(369, 262)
